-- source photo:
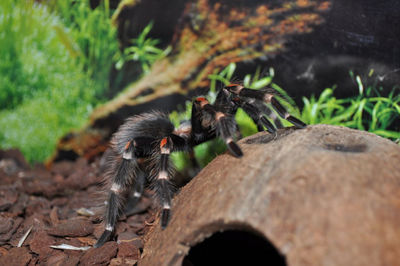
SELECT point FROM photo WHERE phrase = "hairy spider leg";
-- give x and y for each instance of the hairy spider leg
(229, 103)
(284, 114)
(225, 127)
(224, 102)
(268, 112)
(138, 189)
(121, 180)
(267, 96)
(256, 115)
(162, 184)
(200, 133)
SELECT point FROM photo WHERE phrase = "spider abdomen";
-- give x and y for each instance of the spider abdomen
(144, 128)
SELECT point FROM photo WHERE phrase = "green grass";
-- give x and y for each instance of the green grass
(36, 125)
(142, 50)
(90, 38)
(48, 83)
(28, 52)
(368, 110)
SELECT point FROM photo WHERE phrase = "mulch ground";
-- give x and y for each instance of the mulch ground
(61, 205)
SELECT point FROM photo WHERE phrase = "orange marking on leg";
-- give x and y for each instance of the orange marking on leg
(200, 99)
(163, 142)
(127, 145)
(232, 85)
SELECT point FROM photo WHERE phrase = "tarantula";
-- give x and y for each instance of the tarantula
(141, 147)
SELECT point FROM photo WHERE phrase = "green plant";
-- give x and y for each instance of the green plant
(367, 111)
(44, 88)
(29, 51)
(90, 38)
(142, 50)
(35, 126)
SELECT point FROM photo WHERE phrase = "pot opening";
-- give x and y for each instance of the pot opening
(234, 247)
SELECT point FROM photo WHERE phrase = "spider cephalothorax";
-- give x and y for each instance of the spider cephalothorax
(142, 146)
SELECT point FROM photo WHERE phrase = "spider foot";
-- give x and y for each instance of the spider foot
(234, 149)
(103, 238)
(165, 216)
(296, 122)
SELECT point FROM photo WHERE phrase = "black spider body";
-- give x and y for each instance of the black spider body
(142, 146)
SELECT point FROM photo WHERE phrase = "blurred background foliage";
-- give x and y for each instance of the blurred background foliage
(48, 71)
(55, 64)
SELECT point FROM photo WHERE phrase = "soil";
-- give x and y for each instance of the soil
(63, 205)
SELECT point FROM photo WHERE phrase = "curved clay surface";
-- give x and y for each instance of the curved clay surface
(323, 195)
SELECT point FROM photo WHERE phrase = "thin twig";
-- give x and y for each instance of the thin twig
(69, 247)
(22, 240)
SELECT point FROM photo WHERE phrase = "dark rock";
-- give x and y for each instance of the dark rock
(16, 156)
(8, 197)
(73, 228)
(6, 179)
(123, 262)
(6, 224)
(98, 230)
(70, 261)
(130, 237)
(8, 227)
(72, 253)
(64, 168)
(37, 220)
(82, 199)
(137, 221)
(81, 179)
(17, 257)
(3, 251)
(18, 208)
(121, 227)
(57, 259)
(38, 172)
(87, 241)
(54, 216)
(38, 223)
(34, 261)
(101, 255)
(41, 242)
(37, 205)
(43, 187)
(9, 166)
(128, 250)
